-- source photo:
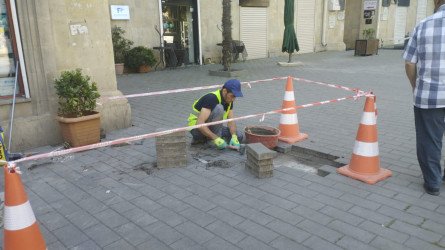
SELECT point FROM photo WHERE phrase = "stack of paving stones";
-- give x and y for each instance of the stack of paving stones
(260, 160)
(171, 150)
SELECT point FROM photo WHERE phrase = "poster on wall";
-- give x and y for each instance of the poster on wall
(370, 5)
(120, 12)
(7, 86)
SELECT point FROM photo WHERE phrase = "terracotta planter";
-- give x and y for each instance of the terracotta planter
(80, 131)
(119, 67)
(144, 69)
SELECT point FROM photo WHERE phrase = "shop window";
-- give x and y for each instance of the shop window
(386, 3)
(8, 54)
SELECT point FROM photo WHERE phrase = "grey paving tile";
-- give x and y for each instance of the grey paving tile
(87, 245)
(111, 219)
(384, 231)
(218, 243)
(226, 216)
(284, 215)
(53, 221)
(382, 243)
(252, 202)
(199, 203)
(416, 243)
(82, 219)
(320, 230)
(370, 215)
(315, 242)
(332, 202)
(257, 231)
(141, 202)
(152, 243)
(119, 245)
(168, 216)
(350, 243)
(286, 243)
(400, 215)
(342, 216)
(164, 233)
(254, 215)
(140, 217)
(185, 243)
(309, 202)
(173, 203)
(312, 214)
(251, 243)
(354, 232)
(417, 231)
(102, 235)
(197, 217)
(70, 236)
(278, 201)
(426, 213)
(196, 233)
(387, 201)
(132, 233)
(225, 190)
(226, 232)
(292, 232)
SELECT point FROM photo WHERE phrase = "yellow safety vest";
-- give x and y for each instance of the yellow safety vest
(194, 117)
(3, 150)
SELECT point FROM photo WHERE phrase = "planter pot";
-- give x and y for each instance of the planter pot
(80, 131)
(366, 47)
(119, 67)
(144, 69)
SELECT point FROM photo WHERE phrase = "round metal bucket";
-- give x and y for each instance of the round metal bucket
(268, 136)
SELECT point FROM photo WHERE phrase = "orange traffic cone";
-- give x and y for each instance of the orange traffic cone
(365, 162)
(21, 230)
(290, 131)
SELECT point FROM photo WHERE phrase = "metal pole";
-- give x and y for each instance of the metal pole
(13, 104)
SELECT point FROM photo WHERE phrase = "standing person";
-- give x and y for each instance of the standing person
(425, 67)
(217, 106)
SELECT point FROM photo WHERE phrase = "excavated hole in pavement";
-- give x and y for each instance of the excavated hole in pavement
(307, 160)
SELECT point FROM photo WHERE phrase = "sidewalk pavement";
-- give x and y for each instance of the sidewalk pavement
(115, 197)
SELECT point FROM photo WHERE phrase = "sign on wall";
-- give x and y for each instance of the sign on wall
(370, 5)
(120, 12)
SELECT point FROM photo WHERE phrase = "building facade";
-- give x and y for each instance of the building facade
(51, 36)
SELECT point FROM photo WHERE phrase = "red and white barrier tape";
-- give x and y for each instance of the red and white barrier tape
(165, 132)
(183, 90)
(327, 84)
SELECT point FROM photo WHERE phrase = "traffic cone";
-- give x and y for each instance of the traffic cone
(365, 162)
(290, 131)
(21, 230)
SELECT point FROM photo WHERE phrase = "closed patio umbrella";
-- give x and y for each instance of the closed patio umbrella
(290, 42)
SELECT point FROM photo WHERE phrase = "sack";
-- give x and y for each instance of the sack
(3, 150)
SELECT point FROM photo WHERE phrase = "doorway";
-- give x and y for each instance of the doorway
(180, 23)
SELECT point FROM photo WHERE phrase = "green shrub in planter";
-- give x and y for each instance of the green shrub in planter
(121, 45)
(76, 96)
(140, 56)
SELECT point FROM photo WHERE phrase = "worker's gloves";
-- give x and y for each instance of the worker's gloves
(234, 141)
(220, 143)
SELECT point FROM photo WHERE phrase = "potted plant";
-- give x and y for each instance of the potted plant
(79, 122)
(141, 59)
(367, 46)
(121, 46)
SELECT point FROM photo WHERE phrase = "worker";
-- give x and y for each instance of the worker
(217, 106)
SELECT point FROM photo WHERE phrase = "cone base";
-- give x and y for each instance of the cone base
(367, 178)
(292, 140)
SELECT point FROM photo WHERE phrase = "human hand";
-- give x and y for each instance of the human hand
(220, 143)
(234, 141)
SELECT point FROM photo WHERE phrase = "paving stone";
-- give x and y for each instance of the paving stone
(119, 245)
(332, 202)
(384, 231)
(259, 151)
(198, 217)
(226, 232)
(226, 216)
(252, 202)
(184, 243)
(350, 243)
(102, 235)
(286, 243)
(320, 230)
(416, 243)
(311, 214)
(164, 233)
(82, 219)
(354, 232)
(283, 147)
(140, 217)
(257, 172)
(152, 243)
(87, 245)
(53, 221)
(252, 243)
(290, 231)
(70, 236)
(315, 242)
(382, 243)
(132, 233)
(255, 230)
(417, 231)
(370, 215)
(282, 214)
(196, 233)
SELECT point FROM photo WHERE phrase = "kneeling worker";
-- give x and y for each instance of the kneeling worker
(217, 106)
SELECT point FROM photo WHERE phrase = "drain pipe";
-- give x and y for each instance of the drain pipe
(323, 34)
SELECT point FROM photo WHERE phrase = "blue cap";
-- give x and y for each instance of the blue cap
(234, 86)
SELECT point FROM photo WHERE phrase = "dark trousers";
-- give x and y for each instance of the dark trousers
(218, 129)
(430, 126)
